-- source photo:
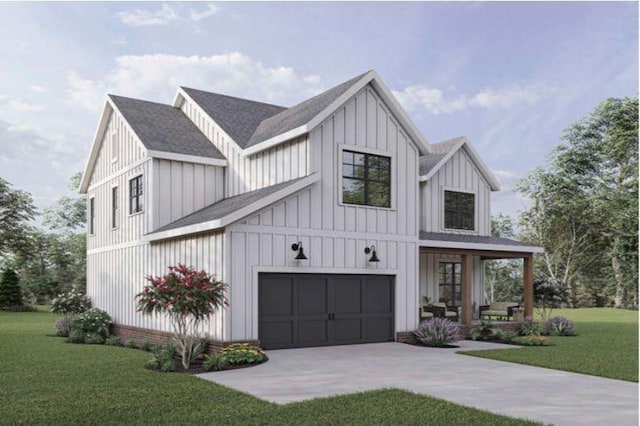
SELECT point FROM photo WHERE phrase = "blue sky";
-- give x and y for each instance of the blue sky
(510, 76)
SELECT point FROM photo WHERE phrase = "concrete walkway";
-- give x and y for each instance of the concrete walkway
(516, 390)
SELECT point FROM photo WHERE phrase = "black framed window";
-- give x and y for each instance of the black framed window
(114, 207)
(449, 282)
(459, 210)
(135, 195)
(92, 215)
(366, 179)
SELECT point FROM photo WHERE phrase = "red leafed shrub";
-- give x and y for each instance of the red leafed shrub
(188, 297)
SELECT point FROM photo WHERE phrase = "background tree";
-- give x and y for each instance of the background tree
(16, 210)
(10, 294)
(585, 207)
(69, 213)
(503, 277)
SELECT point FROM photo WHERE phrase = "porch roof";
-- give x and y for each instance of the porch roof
(484, 245)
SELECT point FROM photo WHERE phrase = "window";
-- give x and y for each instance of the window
(92, 215)
(135, 195)
(366, 179)
(449, 279)
(459, 210)
(114, 207)
(114, 147)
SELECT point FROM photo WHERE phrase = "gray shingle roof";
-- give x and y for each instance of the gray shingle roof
(164, 128)
(299, 114)
(225, 207)
(465, 238)
(438, 152)
(249, 122)
(238, 117)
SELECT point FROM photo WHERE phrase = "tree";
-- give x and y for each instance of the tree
(16, 210)
(585, 205)
(504, 276)
(68, 213)
(10, 294)
(188, 297)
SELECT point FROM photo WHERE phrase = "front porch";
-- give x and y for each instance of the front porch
(452, 272)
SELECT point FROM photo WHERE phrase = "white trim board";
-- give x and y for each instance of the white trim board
(479, 246)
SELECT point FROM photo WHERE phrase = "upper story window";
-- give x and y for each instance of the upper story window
(114, 207)
(366, 179)
(459, 210)
(135, 195)
(92, 215)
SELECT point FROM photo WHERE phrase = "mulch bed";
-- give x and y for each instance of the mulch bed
(416, 343)
(196, 366)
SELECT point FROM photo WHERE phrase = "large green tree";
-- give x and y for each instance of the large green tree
(503, 277)
(69, 213)
(585, 206)
(10, 294)
(16, 210)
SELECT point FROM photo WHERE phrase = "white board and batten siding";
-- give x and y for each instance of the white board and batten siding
(117, 261)
(334, 235)
(289, 160)
(459, 173)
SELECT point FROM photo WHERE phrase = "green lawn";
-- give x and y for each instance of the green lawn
(606, 345)
(46, 381)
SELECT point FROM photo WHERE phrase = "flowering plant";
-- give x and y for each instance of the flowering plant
(188, 297)
(518, 309)
(559, 326)
(72, 302)
(437, 332)
(243, 353)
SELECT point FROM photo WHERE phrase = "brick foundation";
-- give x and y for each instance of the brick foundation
(140, 335)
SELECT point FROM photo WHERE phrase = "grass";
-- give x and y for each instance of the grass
(44, 380)
(606, 345)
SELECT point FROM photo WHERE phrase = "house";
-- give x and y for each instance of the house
(330, 220)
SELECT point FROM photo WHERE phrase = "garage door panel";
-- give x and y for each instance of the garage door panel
(277, 333)
(312, 296)
(377, 328)
(311, 331)
(347, 330)
(347, 296)
(276, 296)
(378, 297)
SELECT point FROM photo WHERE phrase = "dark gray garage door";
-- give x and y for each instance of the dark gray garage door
(297, 310)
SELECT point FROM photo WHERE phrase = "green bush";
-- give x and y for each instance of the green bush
(163, 358)
(10, 294)
(22, 308)
(94, 339)
(76, 336)
(146, 346)
(131, 344)
(215, 362)
(112, 341)
(243, 353)
(529, 326)
(484, 331)
(72, 302)
(93, 321)
(63, 325)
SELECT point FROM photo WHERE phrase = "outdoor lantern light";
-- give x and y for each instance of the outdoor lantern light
(372, 250)
(298, 247)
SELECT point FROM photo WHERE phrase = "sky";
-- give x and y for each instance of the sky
(509, 76)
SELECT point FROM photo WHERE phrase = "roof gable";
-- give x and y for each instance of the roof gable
(161, 127)
(238, 117)
(443, 151)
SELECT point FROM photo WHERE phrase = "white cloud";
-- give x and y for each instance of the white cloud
(156, 77)
(166, 14)
(436, 102)
(20, 105)
(38, 89)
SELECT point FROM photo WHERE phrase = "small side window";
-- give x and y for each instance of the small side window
(92, 215)
(114, 207)
(114, 147)
(135, 195)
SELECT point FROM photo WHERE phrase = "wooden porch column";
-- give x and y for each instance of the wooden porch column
(528, 286)
(467, 268)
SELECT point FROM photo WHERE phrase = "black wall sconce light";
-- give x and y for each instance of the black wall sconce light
(298, 247)
(372, 250)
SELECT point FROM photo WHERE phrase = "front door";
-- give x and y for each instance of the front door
(450, 283)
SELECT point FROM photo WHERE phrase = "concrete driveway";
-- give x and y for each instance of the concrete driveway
(541, 394)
